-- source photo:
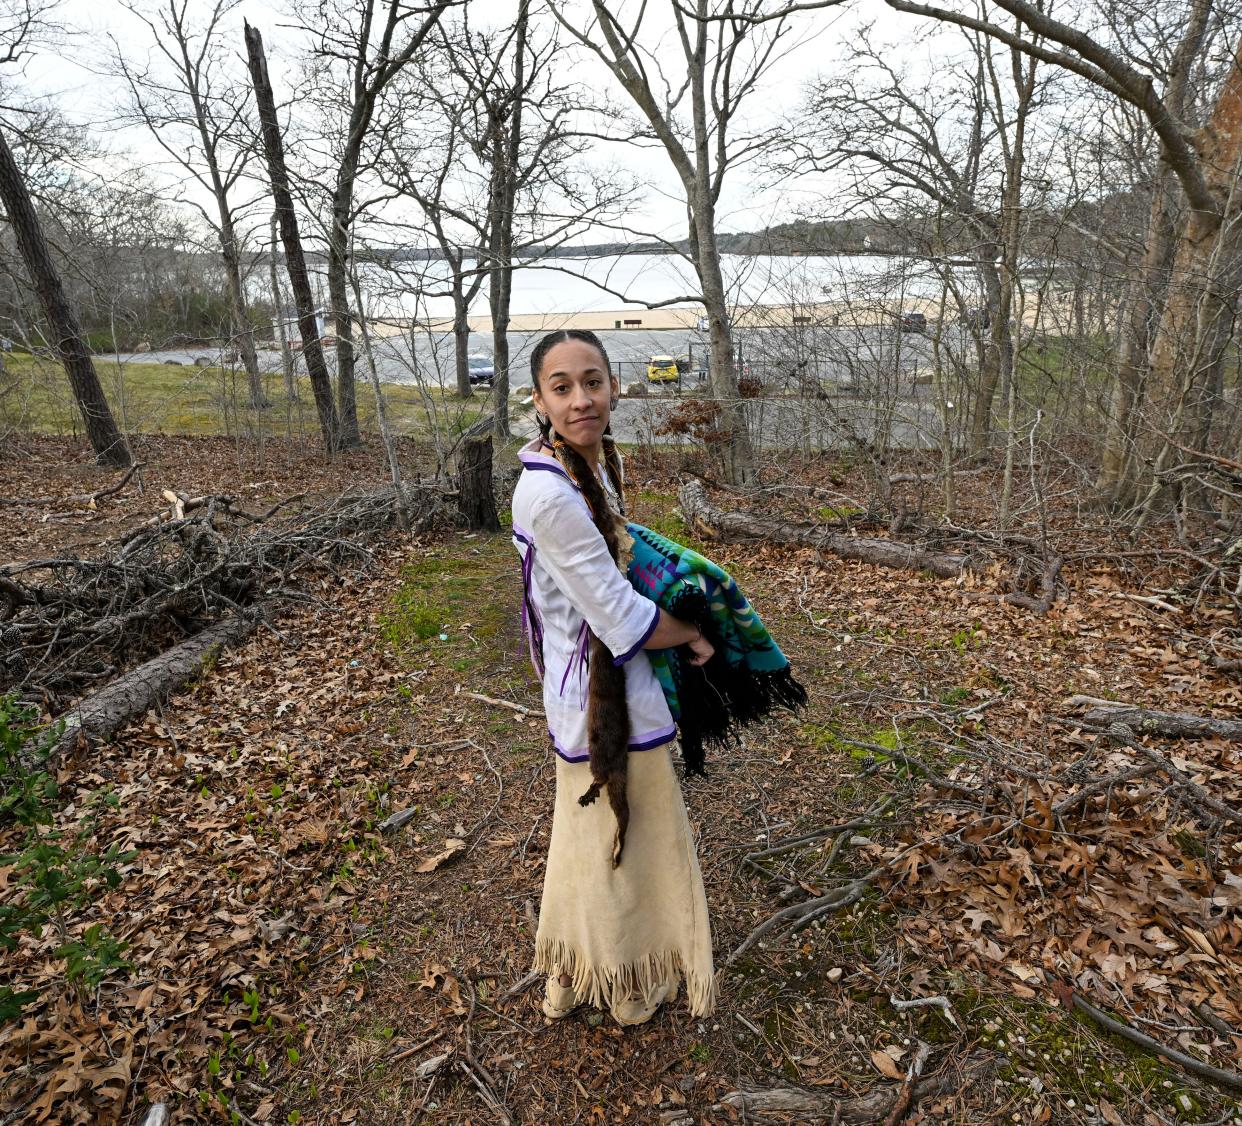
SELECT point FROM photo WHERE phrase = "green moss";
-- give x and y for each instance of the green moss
(454, 592)
(1062, 1049)
(838, 512)
(657, 510)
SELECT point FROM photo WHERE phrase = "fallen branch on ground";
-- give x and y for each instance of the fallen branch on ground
(99, 716)
(905, 1097)
(873, 1107)
(1217, 1076)
(714, 522)
(1122, 734)
(1177, 725)
(522, 709)
(88, 499)
(70, 623)
(799, 915)
(866, 821)
(701, 514)
(941, 1003)
(1117, 778)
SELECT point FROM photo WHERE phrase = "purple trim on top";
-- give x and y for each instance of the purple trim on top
(646, 742)
(532, 460)
(532, 623)
(630, 653)
(581, 656)
(522, 534)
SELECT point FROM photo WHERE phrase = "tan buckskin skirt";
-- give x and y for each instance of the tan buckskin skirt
(625, 931)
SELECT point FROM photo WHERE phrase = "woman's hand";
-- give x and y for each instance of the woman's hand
(702, 649)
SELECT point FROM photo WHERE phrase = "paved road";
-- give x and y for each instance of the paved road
(836, 355)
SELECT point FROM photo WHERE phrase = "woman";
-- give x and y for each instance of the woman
(624, 915)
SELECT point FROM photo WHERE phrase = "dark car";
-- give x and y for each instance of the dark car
(482, 369)
(912, 322)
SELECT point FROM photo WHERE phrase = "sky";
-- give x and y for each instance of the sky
(74, 76)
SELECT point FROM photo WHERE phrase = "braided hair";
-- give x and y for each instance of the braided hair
(608, 717)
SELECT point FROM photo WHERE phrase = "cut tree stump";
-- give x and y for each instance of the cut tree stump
(714, 522)
(100, 716)
(475, 498)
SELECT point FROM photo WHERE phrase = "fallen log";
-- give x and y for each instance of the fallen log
(100, 716)
(713, 522)
(875, 1106)
(1177, 725)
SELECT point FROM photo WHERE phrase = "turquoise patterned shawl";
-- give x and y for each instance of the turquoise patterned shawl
(747, 678)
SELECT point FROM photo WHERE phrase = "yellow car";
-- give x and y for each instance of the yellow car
(662, 369)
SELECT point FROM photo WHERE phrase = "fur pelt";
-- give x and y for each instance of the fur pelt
(608, 714)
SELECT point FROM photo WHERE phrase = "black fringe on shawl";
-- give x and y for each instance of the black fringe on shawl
(719, 698)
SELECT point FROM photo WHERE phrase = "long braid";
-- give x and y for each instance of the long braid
(612, 463)
(608, 716)
(608, 713)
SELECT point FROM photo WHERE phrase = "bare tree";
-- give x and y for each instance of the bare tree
(194, 112)
(500, 164)
(1194, 327)
(692, 107)
(915, 146)
(1148, 284)
(295, 260)
(21, 23)
(431, 192)
(372, 40)
(62, 317)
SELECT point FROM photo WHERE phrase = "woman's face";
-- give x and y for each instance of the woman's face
(575, 392)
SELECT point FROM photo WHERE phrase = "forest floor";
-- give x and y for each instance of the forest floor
(293, 964)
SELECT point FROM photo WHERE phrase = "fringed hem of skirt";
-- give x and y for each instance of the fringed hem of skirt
(603, 986)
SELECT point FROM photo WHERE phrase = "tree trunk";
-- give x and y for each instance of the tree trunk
(1146, 294)
(712, 522)
(505, 151)
(501, 283)
(338, 296)
(997, 348)
(278, 302)
(381, 408)
(100, 716)
(1196, 324)
(461, 330)
(1119, 470)
(739, 453)
(106, 440)
(230, 253)
(295, 261)
(243, 333)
